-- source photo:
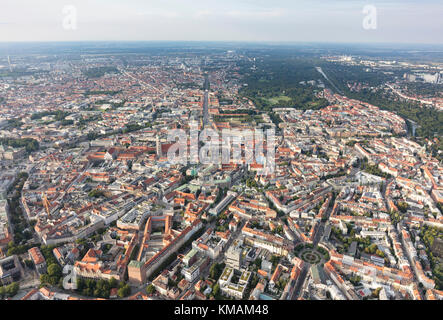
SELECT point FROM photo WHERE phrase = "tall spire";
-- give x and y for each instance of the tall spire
(159, 147)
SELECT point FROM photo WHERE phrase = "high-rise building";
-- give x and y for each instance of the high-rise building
(234, 254)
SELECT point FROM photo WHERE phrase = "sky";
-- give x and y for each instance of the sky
(397, 21)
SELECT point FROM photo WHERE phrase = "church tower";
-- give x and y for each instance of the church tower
(159, 147)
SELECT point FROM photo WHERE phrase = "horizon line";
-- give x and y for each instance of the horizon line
(283, 42)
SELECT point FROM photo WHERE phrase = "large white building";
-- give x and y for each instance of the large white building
(231, 289)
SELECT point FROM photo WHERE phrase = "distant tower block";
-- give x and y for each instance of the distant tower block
(9, 62)
(159, 147)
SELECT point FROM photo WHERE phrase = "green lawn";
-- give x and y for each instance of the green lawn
(275, 100)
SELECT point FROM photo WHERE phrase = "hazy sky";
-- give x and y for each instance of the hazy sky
(402, 21)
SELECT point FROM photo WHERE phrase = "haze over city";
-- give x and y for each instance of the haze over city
(231, 154)
(398, 21)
